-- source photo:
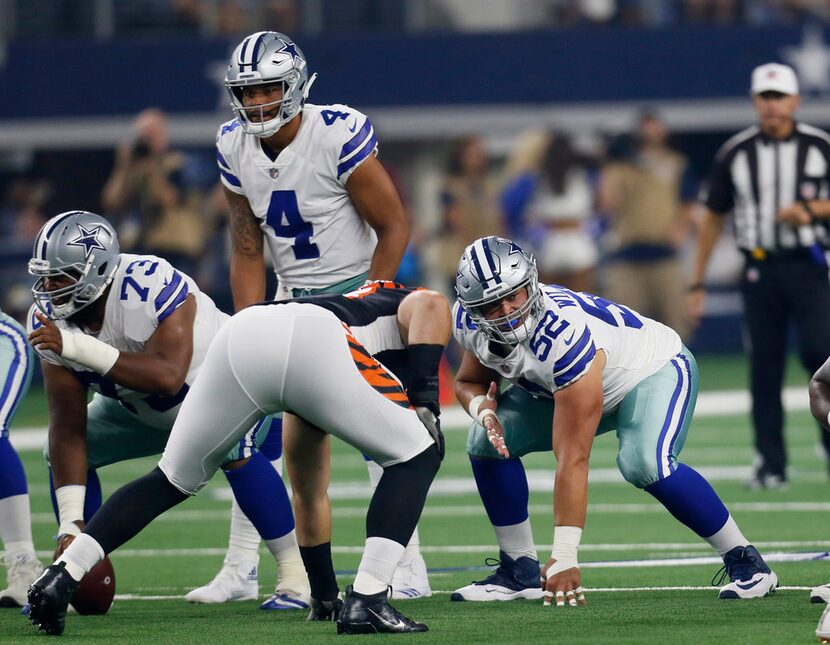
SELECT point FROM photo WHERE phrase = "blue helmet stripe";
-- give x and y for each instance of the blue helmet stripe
(489, 256)
(242, 51)
(255, 52)
(44, 235)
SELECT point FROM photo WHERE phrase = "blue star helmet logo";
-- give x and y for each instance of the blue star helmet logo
(290, 48)
(88, 238)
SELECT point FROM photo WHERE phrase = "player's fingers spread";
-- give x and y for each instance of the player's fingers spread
(570, 596)
(580, 596)
(548, 595)
(560, 598)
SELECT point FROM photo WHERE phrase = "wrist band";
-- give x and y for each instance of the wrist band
(88, 351)
(480, 415)
(565, 546)
(70, 508)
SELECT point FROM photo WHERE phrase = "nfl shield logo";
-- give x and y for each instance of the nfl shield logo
(274, 172)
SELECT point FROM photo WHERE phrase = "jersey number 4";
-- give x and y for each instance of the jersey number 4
(284, 208)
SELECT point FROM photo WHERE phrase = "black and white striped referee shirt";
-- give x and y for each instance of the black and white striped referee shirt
(754, 176)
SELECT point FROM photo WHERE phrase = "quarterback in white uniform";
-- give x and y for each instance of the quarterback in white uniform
(136, 331)
(579, 366)
(304, 181)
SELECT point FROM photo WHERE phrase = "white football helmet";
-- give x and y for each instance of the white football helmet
(264, 58)
(491, 269)
(77, 245)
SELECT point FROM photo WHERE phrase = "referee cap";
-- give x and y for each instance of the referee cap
(774, 77)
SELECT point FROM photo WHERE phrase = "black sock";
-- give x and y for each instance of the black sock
(132, 507)
(423, 366)
(400, 495)
(318, 565)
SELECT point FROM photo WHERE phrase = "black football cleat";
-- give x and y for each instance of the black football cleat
(324, 609)
(373, 615)
(49, 597)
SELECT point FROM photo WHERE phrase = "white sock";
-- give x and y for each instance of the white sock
(413, 547)
(375, 473)
(377, 566)
(244, 538)
(516, 540)
(727, 538)
(291, 569)
(16, 524)
(83, 554)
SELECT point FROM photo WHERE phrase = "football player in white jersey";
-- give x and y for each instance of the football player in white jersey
(304, 180)
(134, 330)
(579, 366)
(820, 407)
(16, 364)
(265, 359)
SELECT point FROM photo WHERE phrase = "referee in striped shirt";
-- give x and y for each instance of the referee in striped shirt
(774, 178)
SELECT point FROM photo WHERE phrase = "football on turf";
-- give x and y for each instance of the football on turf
(97, 589)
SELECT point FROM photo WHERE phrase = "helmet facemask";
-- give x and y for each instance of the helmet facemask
(518, 325)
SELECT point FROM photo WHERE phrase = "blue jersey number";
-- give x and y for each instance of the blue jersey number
(330, 116)
(608, 312)
(547, 331)
(284, 205)
(131, 282)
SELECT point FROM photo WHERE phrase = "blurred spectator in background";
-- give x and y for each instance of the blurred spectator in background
(158, 215)
(21, 216)
(548, 201)
(648, 192)
(469, 199)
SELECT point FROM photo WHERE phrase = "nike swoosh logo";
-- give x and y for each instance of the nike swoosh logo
(568, 340)
(382, 619)
(354, 127)
(748, 586)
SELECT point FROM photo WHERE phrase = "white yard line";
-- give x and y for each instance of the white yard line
(455, 418)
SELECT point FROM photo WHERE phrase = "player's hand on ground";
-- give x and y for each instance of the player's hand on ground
(563, 587)
(64, 540)
(47, 336)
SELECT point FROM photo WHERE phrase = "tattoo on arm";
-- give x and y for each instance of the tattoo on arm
(246, 235)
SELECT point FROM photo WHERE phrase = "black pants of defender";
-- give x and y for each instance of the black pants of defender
(776, 292)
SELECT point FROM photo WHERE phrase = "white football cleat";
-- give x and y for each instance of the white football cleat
(749, 575)
(821, 594)
(410, 580)
(24, 569)
(823, 629)
(237, 580)
(512, 580)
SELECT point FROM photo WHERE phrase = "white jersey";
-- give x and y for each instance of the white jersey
(314, 233)
(145, 290)
(571, 329)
